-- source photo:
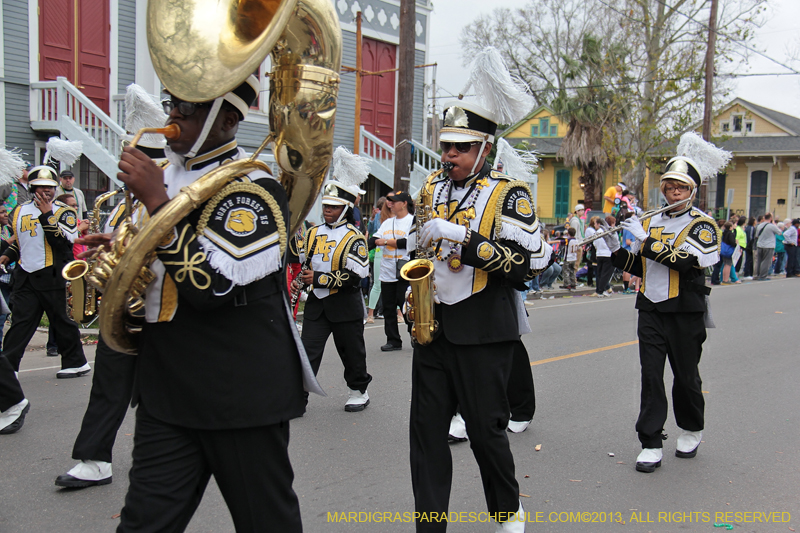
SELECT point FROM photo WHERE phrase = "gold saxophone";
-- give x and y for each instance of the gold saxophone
(83, 299)
(419, 273)
(201, 49)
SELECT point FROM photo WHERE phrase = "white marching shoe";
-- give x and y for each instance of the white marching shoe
(12, 419)
(74, 372)
(649, 460)
(518, 427)
(687, 445)
(515, 523)
(86, 474)
(358, 401)
(458, 429)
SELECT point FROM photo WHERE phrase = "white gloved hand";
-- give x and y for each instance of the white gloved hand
(612, 239)
(635, 228)
(438, 229)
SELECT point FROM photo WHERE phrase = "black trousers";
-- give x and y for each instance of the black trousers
(475, 378)
(678, 337)
(28, 305)
(349, 340)
(393, 294)
(791, 260)
(521, 393)
(112, 385)
(10, 389)
(605, 268)
(172, 466)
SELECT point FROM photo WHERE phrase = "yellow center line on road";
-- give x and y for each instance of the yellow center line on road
(587, 352)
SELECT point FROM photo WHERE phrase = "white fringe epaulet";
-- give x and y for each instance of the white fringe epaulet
(242, 271)
(703, 259)
(357, 268)
(541, 257)
(527, 239)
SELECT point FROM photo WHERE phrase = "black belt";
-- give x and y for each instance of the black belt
(259, 289)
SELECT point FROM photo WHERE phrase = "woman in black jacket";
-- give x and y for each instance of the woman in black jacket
(728, 237)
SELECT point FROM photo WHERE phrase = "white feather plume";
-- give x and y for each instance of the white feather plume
(63, 151)
(11, 165)
(496, 90)
(349, 168)
(142, 112)
(518, 164)
(708, 159)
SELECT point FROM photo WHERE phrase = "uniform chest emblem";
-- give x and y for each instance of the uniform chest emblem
(70, 220)
(705, 236)
(241, 221)
(523, 207)
(485, 251)
(28, 223)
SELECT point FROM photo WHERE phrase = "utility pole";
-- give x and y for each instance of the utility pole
(434, 116)
(707, 118)
(405, 92)
(359, 64)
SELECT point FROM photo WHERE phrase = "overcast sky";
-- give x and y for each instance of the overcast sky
(781, 93)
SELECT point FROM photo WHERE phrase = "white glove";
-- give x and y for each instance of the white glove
(438, 229)
(612, 240)
(635, 228)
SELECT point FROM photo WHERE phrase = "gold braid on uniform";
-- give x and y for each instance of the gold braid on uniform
(250, 188)
(509, 258)
(189, 265)
(498, 208)
(339, 277)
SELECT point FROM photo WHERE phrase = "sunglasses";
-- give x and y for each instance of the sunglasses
(461, 148)
(184, 108)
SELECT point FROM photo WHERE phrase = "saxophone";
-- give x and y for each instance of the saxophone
(83, 299)
(419, 274)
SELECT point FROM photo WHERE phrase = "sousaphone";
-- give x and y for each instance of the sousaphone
(201, 49)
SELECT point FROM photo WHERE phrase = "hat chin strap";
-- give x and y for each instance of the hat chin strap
(478, 159)
(342, 214)
(212, 116)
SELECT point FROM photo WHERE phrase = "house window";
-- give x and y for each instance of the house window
(544, 126)
(534, 131)
(748, 126)
(553, 131)
(726, 126)
(737, 123)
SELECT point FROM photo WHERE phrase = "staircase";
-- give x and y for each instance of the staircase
(60, 107)
(381, 155)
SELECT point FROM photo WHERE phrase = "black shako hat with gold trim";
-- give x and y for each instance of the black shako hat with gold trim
(42, 176)
(467, 122)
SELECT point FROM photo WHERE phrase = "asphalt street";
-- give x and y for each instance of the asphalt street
(585, 364)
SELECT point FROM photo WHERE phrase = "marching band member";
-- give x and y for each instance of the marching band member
(218, 402)
(45, 231)
(670, 254)
(112, 382)
(335, 261)
(484, 235)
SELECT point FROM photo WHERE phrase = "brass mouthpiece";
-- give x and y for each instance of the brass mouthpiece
(171, 132)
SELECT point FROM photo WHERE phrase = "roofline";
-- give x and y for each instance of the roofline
(527, 117)
(748, 105)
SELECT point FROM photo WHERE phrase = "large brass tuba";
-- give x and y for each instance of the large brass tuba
(419, 273)
(201, 49)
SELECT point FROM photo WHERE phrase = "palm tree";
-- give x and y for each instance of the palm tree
(592, 109)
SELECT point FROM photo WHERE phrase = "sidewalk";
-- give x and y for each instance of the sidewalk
(565, 293)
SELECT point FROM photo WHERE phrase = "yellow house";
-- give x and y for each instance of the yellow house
(764, 174)
(558, 186)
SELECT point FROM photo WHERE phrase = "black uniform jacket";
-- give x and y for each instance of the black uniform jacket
(227, 358)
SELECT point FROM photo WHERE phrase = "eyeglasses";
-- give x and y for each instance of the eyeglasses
(184, 108)
(461, 148)
(670, 188)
